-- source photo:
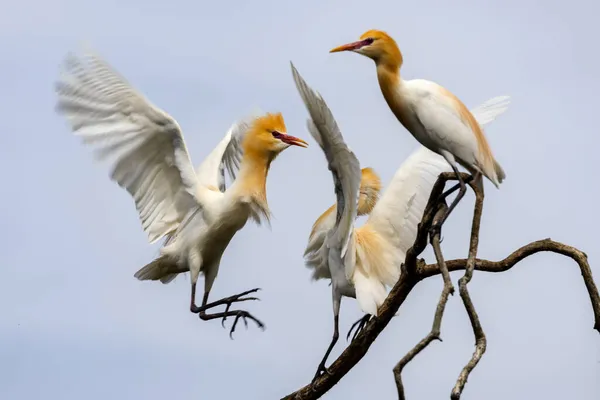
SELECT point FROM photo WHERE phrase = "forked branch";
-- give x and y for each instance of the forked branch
(413, 271)
(448, 289)
(435, 332)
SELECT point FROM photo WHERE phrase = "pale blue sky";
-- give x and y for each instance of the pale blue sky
(75, 323)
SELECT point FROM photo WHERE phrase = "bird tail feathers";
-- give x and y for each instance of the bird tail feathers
(162, 269)
(370, 292)
(499, 172)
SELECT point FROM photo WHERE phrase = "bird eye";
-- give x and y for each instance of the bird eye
(276, 134)
(369, 41)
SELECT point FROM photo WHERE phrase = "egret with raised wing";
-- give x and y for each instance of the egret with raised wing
(191, 209)
(431, 113)
(364, 262)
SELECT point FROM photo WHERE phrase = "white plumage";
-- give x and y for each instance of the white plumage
(376, 250)
(190, 208)
(431, 113)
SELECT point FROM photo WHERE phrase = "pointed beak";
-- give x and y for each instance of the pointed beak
(292, 140)
(349, 47)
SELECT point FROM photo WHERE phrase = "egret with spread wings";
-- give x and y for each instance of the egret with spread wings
(431, 113)
(191, 209)
(364, 262)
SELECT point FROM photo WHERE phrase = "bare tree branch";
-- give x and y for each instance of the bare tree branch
(434, 334)
(480, 340)
(413, 271)
(447, 290)
(357, 349)
(545, 245)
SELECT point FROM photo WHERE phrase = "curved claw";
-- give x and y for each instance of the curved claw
(244, 315)
(359, 325)
(225, 316)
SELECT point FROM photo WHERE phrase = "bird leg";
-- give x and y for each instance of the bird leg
(360, 324)
(227, 301)
(321, 368)
(436, 227)
(454, 188)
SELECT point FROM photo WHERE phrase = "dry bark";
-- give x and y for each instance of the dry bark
(415, 270)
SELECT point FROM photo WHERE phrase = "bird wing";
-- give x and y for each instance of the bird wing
(151, 160)
(399, 210)
(441, 119)
(446, 119)
(343, 163)
(227, 155)
(487, 111)
(314, 256)
(396, 215)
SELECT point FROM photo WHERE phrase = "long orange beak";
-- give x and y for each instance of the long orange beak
(293, 140)
(349, 46)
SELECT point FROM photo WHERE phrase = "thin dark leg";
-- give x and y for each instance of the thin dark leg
(360, 324)
(238, 314)
(193, 307)
(437, 227)
(455, 188)
(336, 334)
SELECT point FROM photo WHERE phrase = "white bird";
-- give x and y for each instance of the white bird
(190, 208)
(431, 113)
(364, 262)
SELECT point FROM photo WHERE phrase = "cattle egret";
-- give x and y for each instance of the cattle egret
(191, 209)
(431, 113)
(364, 262)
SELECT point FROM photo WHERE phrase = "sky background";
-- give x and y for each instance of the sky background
(74, 322)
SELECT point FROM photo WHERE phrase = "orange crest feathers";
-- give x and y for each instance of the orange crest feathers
(376, 34)
(385, 50)
(270, 122)
(370, 179)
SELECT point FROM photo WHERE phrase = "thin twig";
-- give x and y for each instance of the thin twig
(480, 340)
(419, 270)
(435, 332)
(539, 246)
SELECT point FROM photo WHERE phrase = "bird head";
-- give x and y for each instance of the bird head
(370, 186)
(377, 45)
(268, 134)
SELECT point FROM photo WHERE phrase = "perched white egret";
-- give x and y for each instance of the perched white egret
(431, 113)
(364, 262)
(191, 209)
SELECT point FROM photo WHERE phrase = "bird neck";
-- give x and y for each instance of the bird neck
(254, 169)
(389, 79)
(392, 85)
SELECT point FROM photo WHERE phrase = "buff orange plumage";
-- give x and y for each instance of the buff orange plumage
(191, 209)
(431, 113)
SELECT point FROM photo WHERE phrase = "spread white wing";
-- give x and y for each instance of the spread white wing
(151, 160)
(343, 164)
(400, 209)
(227, 155)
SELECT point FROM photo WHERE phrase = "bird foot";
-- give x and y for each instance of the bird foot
(237, 298)
(359, 325)
(227, 301)
(244, 316)
(238, 314)
(320, 371)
